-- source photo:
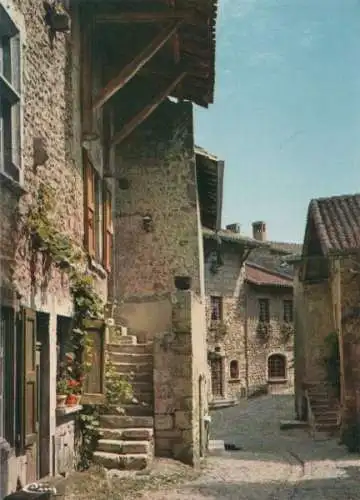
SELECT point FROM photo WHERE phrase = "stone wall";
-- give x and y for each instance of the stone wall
(350, 286)
(155, 169)
(278, 341)
(179, 387)
(51, 112)
(228, 283)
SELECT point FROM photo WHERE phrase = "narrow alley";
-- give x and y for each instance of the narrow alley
(272, 464)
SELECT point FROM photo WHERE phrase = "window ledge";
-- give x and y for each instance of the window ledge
(277, 380)
(97, 268)
(63, 411)
(234, 380)
(12, 185)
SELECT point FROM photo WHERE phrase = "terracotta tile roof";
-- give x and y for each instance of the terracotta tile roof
(337, 222)
(261, 276)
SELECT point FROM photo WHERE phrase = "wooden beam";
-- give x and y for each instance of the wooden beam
(147, 17)
(146, 112)
(130, 70)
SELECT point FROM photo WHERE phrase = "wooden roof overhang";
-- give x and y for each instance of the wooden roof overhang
(171, 42)
(210, 175)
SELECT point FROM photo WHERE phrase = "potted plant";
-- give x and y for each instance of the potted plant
(61, 392)
(73, 392)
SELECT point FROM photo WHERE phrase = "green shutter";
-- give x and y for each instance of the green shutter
(94, 384)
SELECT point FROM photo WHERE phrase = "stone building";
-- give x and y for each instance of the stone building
(249, 313)
(327, 314)
(69, 147)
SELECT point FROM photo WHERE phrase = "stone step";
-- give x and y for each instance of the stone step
(123, 447)
(140, 377)
(123, 462)
(130, 357)
(326, 426)
(131, 349)
(126, 340)
(130, 434)
(125, 422)
(144, 397)
(138, 409)
(142, 386)
(129, 367)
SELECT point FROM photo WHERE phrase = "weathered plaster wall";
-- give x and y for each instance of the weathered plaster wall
(259, 348)
(228, 282)
(314, 321)
(157, 166)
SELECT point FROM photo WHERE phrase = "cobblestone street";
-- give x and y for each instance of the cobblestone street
(272, 464)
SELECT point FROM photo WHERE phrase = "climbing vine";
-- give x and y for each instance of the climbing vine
(58, 249)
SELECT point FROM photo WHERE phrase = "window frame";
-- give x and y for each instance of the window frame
(216, 301)
(264, 318)
(288, 311)
(11, 93)
(276, 356)
(98, 217)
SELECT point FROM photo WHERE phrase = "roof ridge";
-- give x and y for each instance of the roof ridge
(335, 197)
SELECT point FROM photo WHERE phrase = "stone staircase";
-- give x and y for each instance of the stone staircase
(126, 441)
(325, 408)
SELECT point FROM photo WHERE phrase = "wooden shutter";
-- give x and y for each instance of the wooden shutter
(108, 229)
(28, 393)
(89, 209)
(7, 325)
(94, 384)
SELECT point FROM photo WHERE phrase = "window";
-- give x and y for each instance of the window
(288, 311)
(216, 308)
(264, 310)
(10, 97)
(234, 369)
(98, 216)
(277, 367)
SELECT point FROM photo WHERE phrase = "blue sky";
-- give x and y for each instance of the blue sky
(286, 118)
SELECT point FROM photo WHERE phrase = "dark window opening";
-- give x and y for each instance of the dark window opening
(277, 366)
(288, 311)
(216, 308)
(234, 369)
(264, 310)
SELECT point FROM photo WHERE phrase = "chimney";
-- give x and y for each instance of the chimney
(234, 228)
(259, 230)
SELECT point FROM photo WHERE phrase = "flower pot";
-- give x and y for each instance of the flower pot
(71, 400)
(60, 400)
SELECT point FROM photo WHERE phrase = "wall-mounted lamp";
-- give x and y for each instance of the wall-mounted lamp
(148, 223)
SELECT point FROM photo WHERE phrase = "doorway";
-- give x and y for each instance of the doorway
(43, 379)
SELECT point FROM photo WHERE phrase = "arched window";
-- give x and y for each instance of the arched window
(277, 366)
(234, 369)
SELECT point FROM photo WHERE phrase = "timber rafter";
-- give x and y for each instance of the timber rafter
(134, 122)
(131, 69)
